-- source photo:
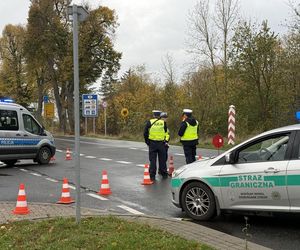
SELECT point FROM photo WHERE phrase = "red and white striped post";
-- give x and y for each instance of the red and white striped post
(231, 125)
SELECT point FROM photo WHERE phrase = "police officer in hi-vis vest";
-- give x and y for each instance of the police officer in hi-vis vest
(154, 135)
(188, 133)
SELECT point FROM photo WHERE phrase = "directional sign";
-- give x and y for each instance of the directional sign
(49, 110)
(89, 105)
(218, 141)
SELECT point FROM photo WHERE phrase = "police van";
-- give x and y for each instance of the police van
(22, 137)
(261, 174)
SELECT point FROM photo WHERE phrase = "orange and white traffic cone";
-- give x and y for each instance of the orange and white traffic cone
(171, 166)
(68, 155)
(199, 157)
(52, 158)
(147, 180)
(65, 194)
(104, 189)
(21, 207)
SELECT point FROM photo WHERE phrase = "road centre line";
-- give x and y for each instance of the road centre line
(140, 165)
(72, 187)
(124, 162)
(105, 159)
(36, 174)
(58, 150)
(50, 179)
(24, 170)
(130, 210)
(133, 148)
(179, 154)
(82, 154)
(97, 196)
(90, 157)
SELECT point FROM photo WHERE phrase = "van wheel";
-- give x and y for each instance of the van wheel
(44, 156)
(198, 201)
(10, 163)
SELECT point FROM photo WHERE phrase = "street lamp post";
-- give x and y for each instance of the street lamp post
(79, 14)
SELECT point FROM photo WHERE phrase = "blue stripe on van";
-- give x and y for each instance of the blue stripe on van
(18, 142)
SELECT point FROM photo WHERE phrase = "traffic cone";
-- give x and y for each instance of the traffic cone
(199, 157)
(104, 189)
(171, 165)
(21, 207)
(52, 158)
(65, 195)
(68, 155)
(147, 180)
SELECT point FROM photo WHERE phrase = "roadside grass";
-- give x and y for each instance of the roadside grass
(92, 233)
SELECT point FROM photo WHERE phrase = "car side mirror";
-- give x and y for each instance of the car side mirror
(230, 158)
(43, 133)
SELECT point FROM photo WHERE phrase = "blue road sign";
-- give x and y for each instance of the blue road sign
(298, 115)
(89, 105)
(46, 99)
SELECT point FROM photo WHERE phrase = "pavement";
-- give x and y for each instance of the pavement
(184, 228)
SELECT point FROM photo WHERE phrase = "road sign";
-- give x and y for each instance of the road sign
(104, 104)
(124, 112)
(218, 141)
(45, 98)
(298, 115)
(49, 110)
(89, 105)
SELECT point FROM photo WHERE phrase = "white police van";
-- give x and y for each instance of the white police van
(261, 174)
(22, 137)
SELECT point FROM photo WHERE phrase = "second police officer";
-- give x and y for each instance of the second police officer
(188, 133)
(154, 135)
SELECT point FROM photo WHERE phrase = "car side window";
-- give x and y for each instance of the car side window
(8, 120)
(30, 125)
(270, 149)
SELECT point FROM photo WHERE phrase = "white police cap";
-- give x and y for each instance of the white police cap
(164, 115)
(187, 111)
(156, 112)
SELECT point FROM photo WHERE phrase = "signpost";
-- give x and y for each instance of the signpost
(90, 108)
(104, 105)
(231, 125)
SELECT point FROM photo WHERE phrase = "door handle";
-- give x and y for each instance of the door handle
(25, 135)
(18, 134)
(272, 170)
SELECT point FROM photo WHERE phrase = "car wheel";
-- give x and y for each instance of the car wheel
(198, 201)
(10, 163)
(44, 156)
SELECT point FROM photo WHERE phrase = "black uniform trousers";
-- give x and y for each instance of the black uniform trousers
(189, 153)
(157, 148)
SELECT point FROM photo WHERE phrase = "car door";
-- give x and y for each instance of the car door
(256, 180)
(293, 176)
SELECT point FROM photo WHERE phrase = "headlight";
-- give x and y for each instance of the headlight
(178, 171)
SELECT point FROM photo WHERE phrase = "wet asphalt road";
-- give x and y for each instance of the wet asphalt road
(124, 162)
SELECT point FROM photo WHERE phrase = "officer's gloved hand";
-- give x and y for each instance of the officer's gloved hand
(147, 142)
(166, 144)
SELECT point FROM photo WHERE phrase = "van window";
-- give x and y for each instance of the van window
(30, 125)
(8, 120)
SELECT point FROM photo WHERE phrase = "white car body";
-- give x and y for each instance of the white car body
(260, 174)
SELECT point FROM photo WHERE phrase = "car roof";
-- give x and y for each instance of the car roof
(285, 128)
(11, 105)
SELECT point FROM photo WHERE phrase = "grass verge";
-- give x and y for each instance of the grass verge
(92, 233)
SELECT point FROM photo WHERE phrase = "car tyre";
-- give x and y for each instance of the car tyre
(198, 201)
(10, 163)
(44, 155)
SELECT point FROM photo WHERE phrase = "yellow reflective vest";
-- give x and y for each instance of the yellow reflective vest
(191, 132)
(157, 130)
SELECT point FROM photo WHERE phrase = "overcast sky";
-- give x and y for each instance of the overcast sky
(149, 29)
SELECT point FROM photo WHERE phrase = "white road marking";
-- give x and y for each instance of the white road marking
(133, 148)
(97, 196)
(130, 210)
(50, 179)
(90, 157)
(72, 187)
(124, 162)
(24, 170)
(179, 154)
(82, 154)
(58, 150)
(105, 159)
(36, 174)
(146, 150)
(140, 165)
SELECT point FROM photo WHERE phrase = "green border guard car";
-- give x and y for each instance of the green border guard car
(258, 175)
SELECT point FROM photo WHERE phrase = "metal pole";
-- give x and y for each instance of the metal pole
(76, 110)
(94, 125)
(105, 121)
(85, 124)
